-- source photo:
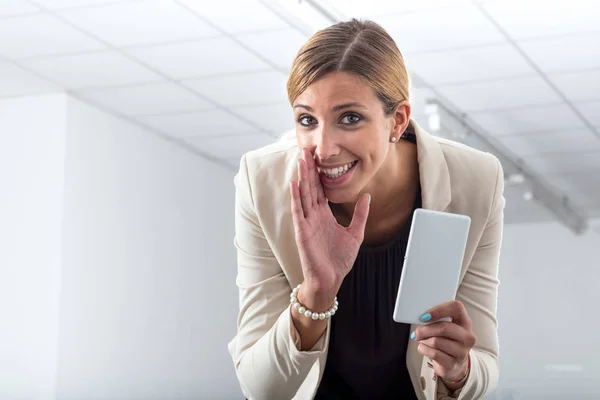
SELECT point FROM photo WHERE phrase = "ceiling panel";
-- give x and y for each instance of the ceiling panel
(232, 16)
(539, 18)
(585, 182)
(217, 56)
(517, 210)
(362, 8)
(280, 47)
(155, 22)
(571, 192)
(591, 110)
(15, 7)
(580, 85)
(592, 204)
(157, 98)
(80, 71)
(202, 123)
(583, 193)
(566, 162)
(60, 4)
(440, 29)
(231, 147)
(234, 162)
(497, 94)
(567, 140)
(581, 200)
(527, 120)
(497, 61)
(592, 208)
(244, 89)
(275, 119)
(15, 81)
(565, 53)
(42, 35)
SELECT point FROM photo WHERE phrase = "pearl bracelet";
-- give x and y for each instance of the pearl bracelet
(308, 313)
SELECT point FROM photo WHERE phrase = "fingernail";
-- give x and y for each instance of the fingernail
(413, 336)
(426, 317)
(369, 199)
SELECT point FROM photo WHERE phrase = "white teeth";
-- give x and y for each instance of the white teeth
(338, 171)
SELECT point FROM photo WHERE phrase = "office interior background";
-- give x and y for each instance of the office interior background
(122, 123)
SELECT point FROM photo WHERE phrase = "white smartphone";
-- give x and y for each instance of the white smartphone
(432, 263)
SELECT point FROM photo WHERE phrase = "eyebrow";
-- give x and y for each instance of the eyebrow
(334, 108)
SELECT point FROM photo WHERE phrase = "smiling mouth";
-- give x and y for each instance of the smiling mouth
(334, 173)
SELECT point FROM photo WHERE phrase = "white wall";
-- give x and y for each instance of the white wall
(32, 142)
(548, 307)
(128, 293)
(148, 296)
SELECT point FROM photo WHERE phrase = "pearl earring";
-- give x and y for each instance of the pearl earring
(393, 139)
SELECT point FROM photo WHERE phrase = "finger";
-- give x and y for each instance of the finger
(454, 349)
(319, 185)
(446, 330)
(305, 194)
(359, 219)
(312, 175)
(297, 212)
(445, 360)
(320, 191)
(453, 309)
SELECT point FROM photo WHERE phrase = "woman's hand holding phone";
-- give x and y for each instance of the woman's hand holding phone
(447, 344)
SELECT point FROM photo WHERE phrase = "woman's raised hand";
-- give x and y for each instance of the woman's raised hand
(327, 249)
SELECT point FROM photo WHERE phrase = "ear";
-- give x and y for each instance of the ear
(401, 118)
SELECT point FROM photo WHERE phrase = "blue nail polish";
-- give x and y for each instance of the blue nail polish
(413, 336)
(426, 317)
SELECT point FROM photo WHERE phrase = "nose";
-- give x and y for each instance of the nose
(324, 144)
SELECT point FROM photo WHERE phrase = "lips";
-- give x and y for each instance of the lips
(331, 177)
(334, 173)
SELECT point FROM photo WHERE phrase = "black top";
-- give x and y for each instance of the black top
(367, 348)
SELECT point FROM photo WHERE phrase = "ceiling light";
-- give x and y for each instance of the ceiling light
(433, 116)
(515, 179)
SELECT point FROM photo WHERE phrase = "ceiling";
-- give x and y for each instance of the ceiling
(211, 75)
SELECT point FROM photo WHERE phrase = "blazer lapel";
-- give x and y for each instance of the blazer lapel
(436, 195)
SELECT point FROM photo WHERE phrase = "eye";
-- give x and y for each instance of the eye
(307, 120)
(351, 119)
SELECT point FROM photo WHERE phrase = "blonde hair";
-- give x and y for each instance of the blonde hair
(362, 48)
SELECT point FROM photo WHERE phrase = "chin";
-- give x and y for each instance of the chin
(340, 196)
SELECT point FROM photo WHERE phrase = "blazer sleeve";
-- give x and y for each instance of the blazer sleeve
(265, 351)
(478, 292)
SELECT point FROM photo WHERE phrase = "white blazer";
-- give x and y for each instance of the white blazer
(454, 178)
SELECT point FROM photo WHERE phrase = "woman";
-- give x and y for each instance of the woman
(363, 166)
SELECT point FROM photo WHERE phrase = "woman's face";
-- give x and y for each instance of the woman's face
(340, 120)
